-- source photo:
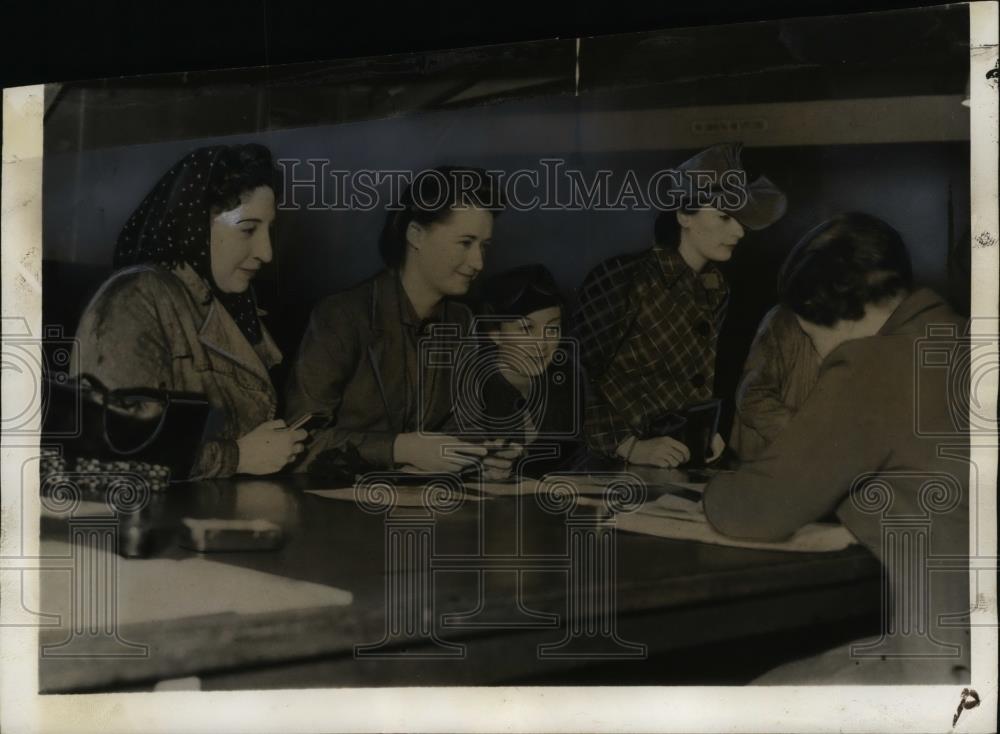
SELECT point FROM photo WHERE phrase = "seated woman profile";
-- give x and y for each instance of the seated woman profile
(180, 313)
(528, 392)
(360, 361)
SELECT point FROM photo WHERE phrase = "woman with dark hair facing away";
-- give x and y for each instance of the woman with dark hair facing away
(180, 312)
(648, 323)
(359, 361)
(526, 388)
(867, 445)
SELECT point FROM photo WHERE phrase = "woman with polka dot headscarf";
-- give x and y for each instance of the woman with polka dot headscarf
(180, 314)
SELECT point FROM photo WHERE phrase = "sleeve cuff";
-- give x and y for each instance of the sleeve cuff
(216, 459)
(229, 455)
(376, 449)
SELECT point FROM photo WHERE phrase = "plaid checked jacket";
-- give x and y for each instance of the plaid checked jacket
(647, 326)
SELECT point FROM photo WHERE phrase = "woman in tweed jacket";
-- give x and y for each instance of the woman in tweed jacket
(180, 314)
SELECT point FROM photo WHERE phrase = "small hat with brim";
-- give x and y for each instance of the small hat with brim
(521, 291)
(755, 205)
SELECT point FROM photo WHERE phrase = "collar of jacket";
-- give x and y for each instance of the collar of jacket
(220, 333)
(921, 307)
(673, 268)
(389, 306)
(389, 310)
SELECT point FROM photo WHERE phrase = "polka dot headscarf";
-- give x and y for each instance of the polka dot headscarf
(171, 226)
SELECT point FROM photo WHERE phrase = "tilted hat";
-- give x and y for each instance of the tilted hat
(755, 205)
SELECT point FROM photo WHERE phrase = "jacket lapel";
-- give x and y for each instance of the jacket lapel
(220, 334)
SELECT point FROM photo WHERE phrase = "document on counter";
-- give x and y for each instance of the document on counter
(408, 496)
(524, 485)
(681, 517)
(655, 480)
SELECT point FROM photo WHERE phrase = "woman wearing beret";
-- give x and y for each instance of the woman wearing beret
(528, 388)
(360, 361)
(180, 313)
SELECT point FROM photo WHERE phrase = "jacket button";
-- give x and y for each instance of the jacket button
(698, 380)
(703, 328)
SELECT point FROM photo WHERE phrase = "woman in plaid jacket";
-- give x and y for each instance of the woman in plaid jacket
(648, 324)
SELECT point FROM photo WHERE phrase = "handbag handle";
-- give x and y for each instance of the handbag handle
(91, 381)
(165, 396)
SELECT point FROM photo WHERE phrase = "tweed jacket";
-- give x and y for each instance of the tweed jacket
(148, 326)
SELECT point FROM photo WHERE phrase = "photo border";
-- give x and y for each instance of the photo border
(515, 709)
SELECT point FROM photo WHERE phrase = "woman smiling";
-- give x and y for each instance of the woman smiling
(180, 313)
(359, 361)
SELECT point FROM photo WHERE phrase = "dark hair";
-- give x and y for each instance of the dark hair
(171, 225)
(667, 230)
(238, 169)
(429, 199)
(841, 266)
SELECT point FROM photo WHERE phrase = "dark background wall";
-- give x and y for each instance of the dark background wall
(89, 196)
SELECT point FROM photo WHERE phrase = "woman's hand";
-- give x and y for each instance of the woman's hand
(269, 447)
(436, 452)
(717, 446)
(498, 463)
(663, 451)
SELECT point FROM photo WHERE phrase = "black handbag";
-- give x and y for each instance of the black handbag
(92, 423)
